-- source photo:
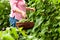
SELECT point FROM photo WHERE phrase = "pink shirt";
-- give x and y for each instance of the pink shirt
(20, 4)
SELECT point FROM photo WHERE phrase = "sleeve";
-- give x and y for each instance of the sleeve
(13, 4)
(24, 1)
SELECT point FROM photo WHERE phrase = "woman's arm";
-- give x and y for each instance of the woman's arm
(28, 8)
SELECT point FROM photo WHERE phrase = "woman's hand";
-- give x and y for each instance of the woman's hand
(33, 9)
(24, 15)
(28, 8)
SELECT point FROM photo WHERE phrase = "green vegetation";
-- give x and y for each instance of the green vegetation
(24, 20)
(46, 19)
(4, 13)
(12, 34)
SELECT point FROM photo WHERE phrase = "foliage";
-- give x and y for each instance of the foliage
(24, 20)
(4, 12)
(46, 19)
(12, 33)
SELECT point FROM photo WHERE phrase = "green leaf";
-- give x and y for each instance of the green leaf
(22, 32)
(58, 17)
(13, 32)
(58, 1)
(7, 37)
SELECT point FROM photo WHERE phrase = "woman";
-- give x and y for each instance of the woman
(18, 11)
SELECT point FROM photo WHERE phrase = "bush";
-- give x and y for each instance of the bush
(4, 13)
(46, 19)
